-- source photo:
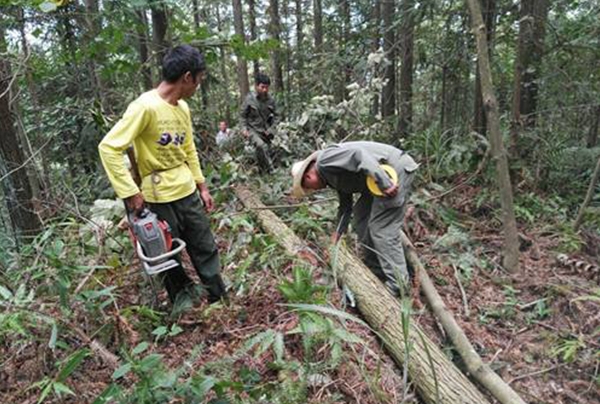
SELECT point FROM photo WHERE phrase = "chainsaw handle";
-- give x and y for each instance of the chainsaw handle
(161, 257)
(131, 215)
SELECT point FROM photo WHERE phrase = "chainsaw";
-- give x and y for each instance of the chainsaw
(153, 242)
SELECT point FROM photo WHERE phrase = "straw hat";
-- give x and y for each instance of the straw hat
(298, 170)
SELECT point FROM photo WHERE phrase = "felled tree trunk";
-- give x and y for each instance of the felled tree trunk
(436, 378)
(480, 371)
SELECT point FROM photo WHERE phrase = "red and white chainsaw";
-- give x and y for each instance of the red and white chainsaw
(153, 242)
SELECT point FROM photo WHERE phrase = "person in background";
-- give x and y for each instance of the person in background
(223, 135)
(159, 125)
(258, 121)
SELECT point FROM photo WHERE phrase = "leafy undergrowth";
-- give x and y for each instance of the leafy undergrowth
(80, 323)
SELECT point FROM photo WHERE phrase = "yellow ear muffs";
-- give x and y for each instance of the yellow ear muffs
(391, 173)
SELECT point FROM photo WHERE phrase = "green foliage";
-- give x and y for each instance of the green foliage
(154, 382)
(567, 349)
(254, 51)
(57, 384)
(459, 251)
(304, 224)
(532, 208)
(144, 319)
(446, 153)
(568, 170)
(301, 288)
(166, 332)
(318, 331)
(570, 241)
(19, 316)
(323, 119)
(265, 340)
(507, 310)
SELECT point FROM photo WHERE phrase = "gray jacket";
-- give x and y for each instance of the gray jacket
(345, 167)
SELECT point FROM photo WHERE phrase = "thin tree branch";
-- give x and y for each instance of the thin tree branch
(31, 157)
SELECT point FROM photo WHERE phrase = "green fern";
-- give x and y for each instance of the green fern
(301, 288)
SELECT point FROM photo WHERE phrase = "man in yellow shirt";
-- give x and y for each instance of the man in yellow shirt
(159, 125)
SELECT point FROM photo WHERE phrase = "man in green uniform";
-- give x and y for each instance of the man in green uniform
(159, 125)
(259, 119)
(377, 219)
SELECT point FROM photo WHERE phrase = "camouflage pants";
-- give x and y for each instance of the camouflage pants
(262, 151)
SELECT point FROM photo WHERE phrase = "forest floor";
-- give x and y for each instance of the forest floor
(537, 328)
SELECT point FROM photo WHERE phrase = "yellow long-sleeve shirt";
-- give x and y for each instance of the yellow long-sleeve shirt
(161, 134)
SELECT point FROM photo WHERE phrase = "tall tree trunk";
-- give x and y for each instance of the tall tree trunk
(388, 96)
(443, 97)
(375, 44)
(299, 70)
(242, 66)
(224, 74)
(407, 30)
(532, 29)
(142, 34)
(160, 25)
(38, 177)
(274, 32)
(253, 32)
(67, 39)
(287, 53)
(196, 12)
(511, 241)
(592, 137)
(343, 80)
(318, 25)
(94, 26)
(18, 192)
(202, 14)
(489, 13)
(27, 52)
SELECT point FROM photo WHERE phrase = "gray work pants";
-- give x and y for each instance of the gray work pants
(188, 221)
(262, 151)
(378, 222)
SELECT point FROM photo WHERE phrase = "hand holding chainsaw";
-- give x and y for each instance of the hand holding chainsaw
(135, 203)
